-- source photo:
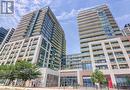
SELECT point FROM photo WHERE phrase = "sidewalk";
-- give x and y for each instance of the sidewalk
(50, 88)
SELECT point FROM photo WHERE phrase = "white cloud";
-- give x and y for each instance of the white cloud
(124, 17)
(24, 6)
(21, 8)
(68, 15)
(8, 21)
(37, 1)
(46, 2)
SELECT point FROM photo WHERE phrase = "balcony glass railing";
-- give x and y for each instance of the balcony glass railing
(121, 61)
(100, 57)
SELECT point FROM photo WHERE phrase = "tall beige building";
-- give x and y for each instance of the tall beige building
(96, 24)
(103, 47)
(103, 44)
(38, 39)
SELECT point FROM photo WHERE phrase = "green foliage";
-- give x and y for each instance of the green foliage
(27, 71)
(21, 70)
(98, 77)
(128, 80)
(7, 72)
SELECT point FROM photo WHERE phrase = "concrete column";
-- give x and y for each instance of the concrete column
(78, 77)
(44, 78)
(37, 50)
(113, 79)
(59, 79)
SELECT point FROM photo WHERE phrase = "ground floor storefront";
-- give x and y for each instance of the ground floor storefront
(83, 78)
(72, 78)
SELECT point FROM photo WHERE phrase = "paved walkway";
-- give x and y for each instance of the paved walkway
(54, 88)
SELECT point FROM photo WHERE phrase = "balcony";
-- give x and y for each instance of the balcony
(98, 52)
(84, 49)
(97, 47)
(121, 61)
(126, 43)
(99, 58)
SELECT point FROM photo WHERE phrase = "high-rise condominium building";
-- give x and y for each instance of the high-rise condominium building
(103, 46)
(3, 33)
(7, 37)
(96, 24)
(126, 30)
(73, 61)
(38, 39)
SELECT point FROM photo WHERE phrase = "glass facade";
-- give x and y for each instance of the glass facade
(47, 28)
(87, 81)
(69, 81)
(87, 66)
(44, 54)
(105, 24)
(122, 80)
(30, 29)
(3, 33)
(52, 80)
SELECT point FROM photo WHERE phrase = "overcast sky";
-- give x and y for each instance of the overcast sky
(66, 12)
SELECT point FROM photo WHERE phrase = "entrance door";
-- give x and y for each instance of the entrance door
(87, 82)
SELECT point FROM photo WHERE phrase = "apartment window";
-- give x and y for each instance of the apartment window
(29, 59)
(85, 47)
(121, 60)
(33, 48)
(103, 67)
(8, 62)
(21, 55)
(112, 60)
(48, 47)
(118, 54)
(44, 43)
(114, 67)
(128, 52)
(47, 54)
(114, 42)
(48, 27)
(101, 13)
(34, 43)
(106, 43)
(123, 66)
(87, 66)
(100, 61)
(96, 45)
(118, 47)
(35, 39)
(97, 50)
(125, 41)
(109, 34)
(108, 48)
(99, 55)
(85, 52)
(127, 46)
(42, 53)
(40, 62)
(110, 54)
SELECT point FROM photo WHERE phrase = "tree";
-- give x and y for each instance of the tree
(98, 77)
(128, 80)
(27, 71)
(8, 72)
(21, 70)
